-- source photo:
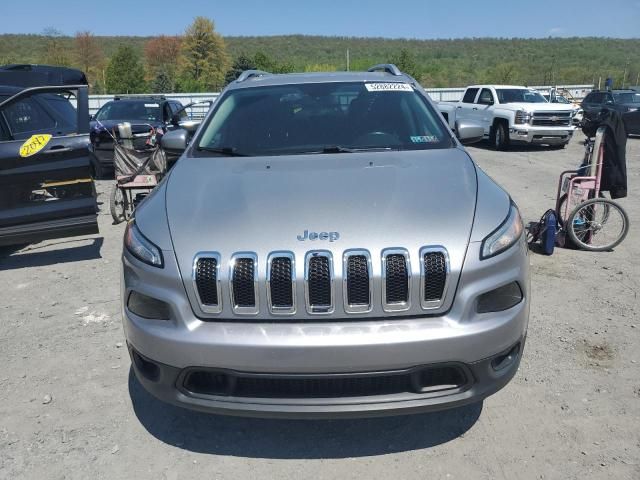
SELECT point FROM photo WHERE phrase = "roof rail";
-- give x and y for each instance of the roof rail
(247, 74)
(386, 67)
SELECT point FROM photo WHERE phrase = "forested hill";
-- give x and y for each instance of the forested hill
(437, 63)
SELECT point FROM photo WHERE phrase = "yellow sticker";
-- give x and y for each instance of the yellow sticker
(34, 144)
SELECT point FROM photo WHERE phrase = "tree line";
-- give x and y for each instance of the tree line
(202, 60)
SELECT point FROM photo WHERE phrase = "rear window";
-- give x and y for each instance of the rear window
(627, 97)
(311, 118)
(130, 111)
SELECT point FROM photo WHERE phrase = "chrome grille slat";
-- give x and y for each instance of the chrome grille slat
(434, 276)
(281, 291)
(206, 281)
(396, 283)
(319, 282)
(357, 281)
(243, 283)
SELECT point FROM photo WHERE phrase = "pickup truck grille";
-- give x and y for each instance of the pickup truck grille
(320, 286)
(551, 119)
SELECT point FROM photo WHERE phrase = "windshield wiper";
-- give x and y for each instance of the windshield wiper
(340, 149)
(227, 151)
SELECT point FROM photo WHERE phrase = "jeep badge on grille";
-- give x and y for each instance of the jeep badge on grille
(307, 235)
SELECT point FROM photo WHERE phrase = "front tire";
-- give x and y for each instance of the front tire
(500, 136)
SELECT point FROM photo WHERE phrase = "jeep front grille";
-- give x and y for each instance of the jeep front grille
(362, 286)
(319, 282)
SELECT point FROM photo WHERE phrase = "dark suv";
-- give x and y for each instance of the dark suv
(627, 102)
(46, 185)
(142, 112)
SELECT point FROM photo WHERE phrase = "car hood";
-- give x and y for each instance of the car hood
(540, 107)
(373, 201)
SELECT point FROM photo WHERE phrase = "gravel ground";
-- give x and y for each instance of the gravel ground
(70, 409)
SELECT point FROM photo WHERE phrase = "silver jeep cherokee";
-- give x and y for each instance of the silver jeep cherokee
(325, 247)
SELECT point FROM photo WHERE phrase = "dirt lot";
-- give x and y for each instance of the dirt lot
(69, 407)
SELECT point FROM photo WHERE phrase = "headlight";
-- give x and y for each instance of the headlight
(522, 117)
(632, 109)
(504, 236)
(140, 247)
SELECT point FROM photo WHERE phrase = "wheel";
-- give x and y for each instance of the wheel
(500, 136)
(597, 225)
(561, 206)
(119, 205)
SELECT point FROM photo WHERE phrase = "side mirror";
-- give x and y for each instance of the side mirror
(174, 142)
(469, 133)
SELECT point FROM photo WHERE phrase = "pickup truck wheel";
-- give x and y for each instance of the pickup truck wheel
(500, 137)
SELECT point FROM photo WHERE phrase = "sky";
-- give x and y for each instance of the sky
(423, 19)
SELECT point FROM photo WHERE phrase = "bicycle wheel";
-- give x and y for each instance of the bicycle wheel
(597, 225)
(119, 205)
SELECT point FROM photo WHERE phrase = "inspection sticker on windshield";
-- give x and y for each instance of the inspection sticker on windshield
(388, 87)
(34, 144)
(150, 105)
(424, 139)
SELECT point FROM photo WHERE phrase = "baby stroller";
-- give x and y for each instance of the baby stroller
(589, 219)
(137, 172)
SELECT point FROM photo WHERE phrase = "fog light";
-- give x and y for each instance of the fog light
(148, 307)
(503, 361)
(500, 299)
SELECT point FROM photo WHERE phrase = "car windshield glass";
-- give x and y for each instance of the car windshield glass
(519, 95)
(560, 99)
(130, 111)
(323, 118)
(627, 97)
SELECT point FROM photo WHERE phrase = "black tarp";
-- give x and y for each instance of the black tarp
(26, 76)
(614, 167)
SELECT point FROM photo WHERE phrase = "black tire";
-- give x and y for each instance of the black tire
(119, 205)
(589, 219)
(500, 137)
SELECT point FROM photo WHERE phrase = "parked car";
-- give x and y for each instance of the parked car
(511, 114)
(142, 112)
(627, 102)
(325, 246)
(46, 185)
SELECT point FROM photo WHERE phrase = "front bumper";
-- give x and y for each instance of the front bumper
(540, 135)
(168, 384)
(385, 346)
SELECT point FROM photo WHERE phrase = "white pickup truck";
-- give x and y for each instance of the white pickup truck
(511, 114)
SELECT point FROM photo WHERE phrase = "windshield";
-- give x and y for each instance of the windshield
(519, 95)
(323, 118)
(123, 110)
(627, 97)
(560, 99)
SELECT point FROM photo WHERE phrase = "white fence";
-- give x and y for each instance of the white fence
(578, 92)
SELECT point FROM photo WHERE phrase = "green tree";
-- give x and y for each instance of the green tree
(204, 57)
(407, 63)
(240, 64)
(125, 73)
(162, 83)
(55, 53)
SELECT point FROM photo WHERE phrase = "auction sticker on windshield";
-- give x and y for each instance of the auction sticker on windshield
(34, 144)
(388, 87)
